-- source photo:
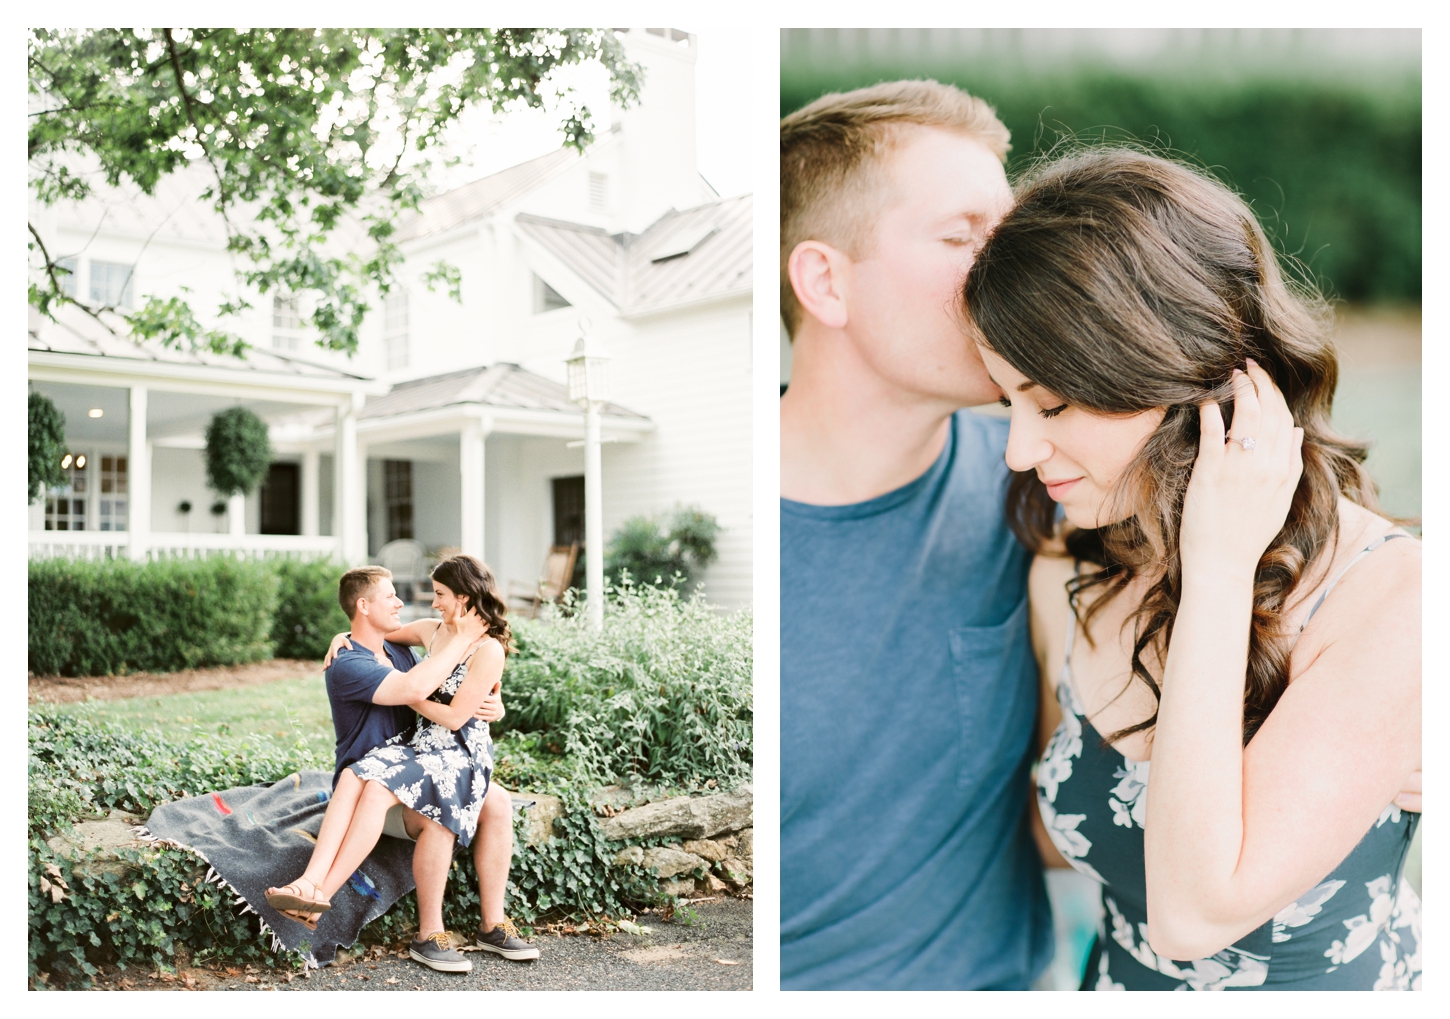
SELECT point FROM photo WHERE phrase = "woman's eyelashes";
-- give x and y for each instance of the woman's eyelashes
(1047, 412)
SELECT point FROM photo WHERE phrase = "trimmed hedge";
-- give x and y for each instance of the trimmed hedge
(307, 610)
(1331, 166)
(113, 616)
(110, 617)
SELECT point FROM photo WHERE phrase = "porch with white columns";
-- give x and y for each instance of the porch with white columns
(472, 442)
(138, 480)
(349, 487)
(148, 384)
(311, 503)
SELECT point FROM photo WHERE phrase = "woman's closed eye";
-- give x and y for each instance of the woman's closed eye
(1047, 412)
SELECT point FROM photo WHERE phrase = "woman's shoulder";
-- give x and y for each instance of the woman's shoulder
(489, 650)
(1395, 552)
(1369, 586)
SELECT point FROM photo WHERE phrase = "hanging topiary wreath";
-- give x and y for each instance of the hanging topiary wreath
(47, 445)
(238, 451)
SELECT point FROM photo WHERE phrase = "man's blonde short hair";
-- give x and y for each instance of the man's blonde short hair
(831, 150)
(358, 583)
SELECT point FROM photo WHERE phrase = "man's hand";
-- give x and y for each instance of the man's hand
(491, 710)
(1409, 797)
(338, 643)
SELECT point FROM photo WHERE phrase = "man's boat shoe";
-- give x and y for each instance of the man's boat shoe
(436, 951)
(504, 940)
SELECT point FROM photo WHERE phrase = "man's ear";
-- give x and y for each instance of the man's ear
(819, 275)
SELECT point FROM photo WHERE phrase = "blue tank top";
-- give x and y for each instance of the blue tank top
(907, 706)
(1358, 929)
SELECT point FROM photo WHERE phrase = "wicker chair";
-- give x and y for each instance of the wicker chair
(554, 580)
(407, 560)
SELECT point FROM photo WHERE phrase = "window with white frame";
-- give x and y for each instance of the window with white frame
(68, 274)
(398, 498)
(66, 503)
(286, 323)
(395, 328)
(112, 500)
(111, 284)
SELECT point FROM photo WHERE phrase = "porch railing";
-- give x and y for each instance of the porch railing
(170, 545)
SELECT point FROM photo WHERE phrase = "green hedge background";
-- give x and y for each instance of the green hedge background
(1332, 166)
(110, 617)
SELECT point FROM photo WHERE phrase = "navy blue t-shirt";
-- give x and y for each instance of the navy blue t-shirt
(352, 679)
(908, 696)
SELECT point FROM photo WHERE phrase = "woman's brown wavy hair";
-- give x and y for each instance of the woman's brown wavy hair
(1121, 282)
(468, 578)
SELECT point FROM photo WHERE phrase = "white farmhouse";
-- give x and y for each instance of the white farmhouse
(451, 426)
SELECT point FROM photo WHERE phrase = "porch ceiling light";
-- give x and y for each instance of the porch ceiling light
(588, 380)
(95, 412)
(81, 462)
(65, 462)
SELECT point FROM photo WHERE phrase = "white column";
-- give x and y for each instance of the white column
(349, 496)
(237, 515)
(310, 514)
(593, 518)
(138, 479)
(471, 441)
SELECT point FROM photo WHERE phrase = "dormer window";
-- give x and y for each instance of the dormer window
(67, 271)
(546, 298)
(111, 284)
(286, 323)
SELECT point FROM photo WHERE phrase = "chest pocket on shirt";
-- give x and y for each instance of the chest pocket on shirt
(995, 695)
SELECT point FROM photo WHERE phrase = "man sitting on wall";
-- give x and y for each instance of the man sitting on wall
(371, 682)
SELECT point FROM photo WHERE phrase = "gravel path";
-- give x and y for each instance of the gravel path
(674, 957)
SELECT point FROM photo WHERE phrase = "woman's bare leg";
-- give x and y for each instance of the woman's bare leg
(363, 833)
(334, 826)
(330, 836)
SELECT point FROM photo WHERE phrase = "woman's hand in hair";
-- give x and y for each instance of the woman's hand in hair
(1238, 498)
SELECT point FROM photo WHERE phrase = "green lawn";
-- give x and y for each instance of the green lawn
(281, 711)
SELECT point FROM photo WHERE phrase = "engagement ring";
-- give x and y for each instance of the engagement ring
(1247, 442)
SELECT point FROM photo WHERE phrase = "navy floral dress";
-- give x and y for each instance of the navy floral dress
(440, 773)
(1357, 929)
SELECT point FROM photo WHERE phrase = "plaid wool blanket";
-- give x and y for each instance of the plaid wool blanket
(261, 836)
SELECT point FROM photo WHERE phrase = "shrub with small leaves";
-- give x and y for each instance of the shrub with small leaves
(662, 694)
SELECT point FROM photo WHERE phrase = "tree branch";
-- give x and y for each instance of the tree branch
(222, 199)
(60, 294)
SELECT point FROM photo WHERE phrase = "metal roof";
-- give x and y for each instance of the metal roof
(623, 267)
(498, 385)
(483, 196)
(75, 332)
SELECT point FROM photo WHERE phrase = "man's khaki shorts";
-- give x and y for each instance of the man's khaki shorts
(393, 823)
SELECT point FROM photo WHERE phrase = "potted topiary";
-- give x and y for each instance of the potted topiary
(238, 453)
